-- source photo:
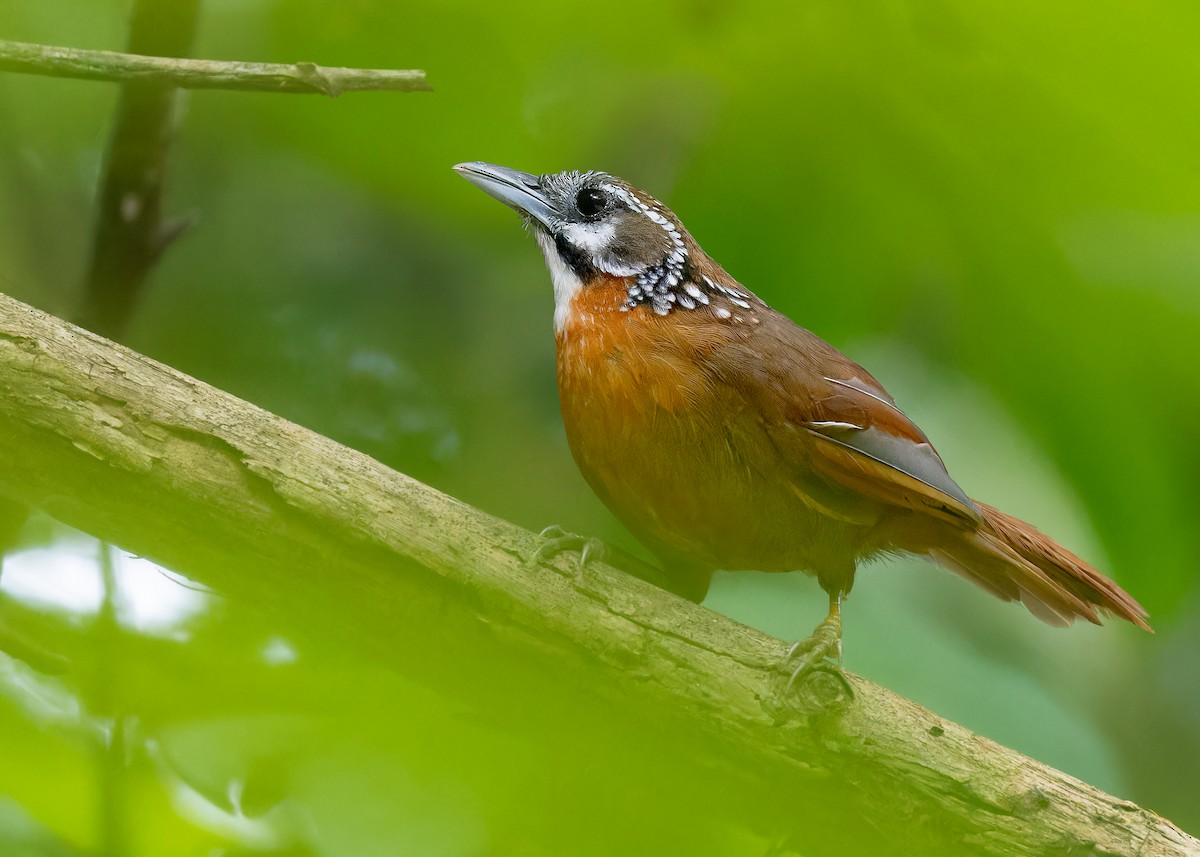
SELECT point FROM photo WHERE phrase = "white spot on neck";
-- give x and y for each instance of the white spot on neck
(591, 238)
(566, 283)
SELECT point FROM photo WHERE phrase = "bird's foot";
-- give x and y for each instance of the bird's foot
(823, 647)
(816, 661)
(556, 540)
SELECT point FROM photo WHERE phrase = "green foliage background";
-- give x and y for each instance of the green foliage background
(994, 206)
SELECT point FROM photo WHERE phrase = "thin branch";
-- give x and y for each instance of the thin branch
(334, 542)
(301, 77)
(131, 233)
(109, 704)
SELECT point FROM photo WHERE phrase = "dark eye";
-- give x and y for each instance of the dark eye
(590, 201)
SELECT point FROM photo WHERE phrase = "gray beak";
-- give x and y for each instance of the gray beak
(512, 187)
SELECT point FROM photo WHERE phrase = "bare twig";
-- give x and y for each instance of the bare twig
(302, 77)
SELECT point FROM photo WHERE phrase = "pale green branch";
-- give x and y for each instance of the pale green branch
(58, 61)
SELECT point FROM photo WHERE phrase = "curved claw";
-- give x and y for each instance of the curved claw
(823, 689)
(558, 541)
(821, 651)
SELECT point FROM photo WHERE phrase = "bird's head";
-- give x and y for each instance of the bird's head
(594, 227)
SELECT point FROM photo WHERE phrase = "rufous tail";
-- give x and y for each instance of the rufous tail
(1012, 560)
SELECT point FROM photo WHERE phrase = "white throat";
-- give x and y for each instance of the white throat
(566, 283)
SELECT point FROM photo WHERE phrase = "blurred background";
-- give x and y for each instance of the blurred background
(994, 207)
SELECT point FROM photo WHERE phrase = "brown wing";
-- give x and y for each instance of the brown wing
(848, 452)
(840, 433)
(863, 441)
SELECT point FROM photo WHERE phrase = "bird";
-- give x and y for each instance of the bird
(723, 435)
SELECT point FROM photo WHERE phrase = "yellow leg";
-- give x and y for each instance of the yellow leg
(823, 645)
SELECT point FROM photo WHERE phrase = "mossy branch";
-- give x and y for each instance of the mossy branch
(271, 513)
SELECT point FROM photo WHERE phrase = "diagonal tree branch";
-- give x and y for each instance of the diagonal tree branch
(301, 77)
(266, 511)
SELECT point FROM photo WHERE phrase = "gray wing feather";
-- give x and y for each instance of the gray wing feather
(918, 460)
